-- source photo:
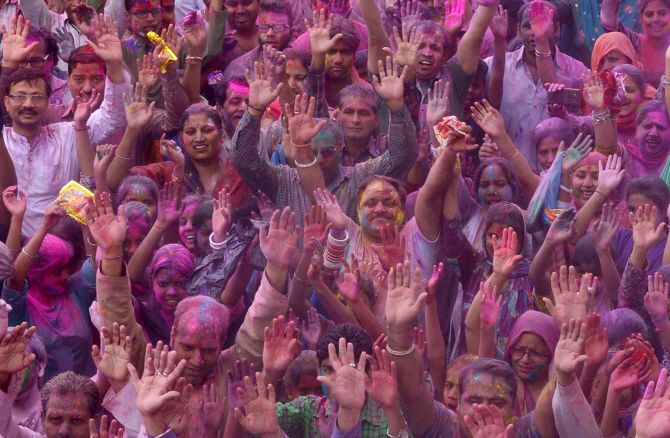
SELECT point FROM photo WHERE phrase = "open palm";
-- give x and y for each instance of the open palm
(653, 415)
(13, 357)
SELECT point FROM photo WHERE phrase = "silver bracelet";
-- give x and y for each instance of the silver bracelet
(400, 353)
(169, 429)
(215, 246)
(601, 118)
(565, 189)
(305, 165)
(88, 239)
(23, 250)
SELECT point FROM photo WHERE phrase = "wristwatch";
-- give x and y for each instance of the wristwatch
(403, 433)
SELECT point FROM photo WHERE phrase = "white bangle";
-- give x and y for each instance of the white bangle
(305, 165)
(400, 353)
(216, 246)
(565, 189)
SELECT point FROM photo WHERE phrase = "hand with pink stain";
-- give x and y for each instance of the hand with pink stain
(339, 8)
(260, 414)
(316, 228)
(438, 102)
(195, 33)
(646, 233)
(169, 206)
(280, 241)
(14, 355)
(53, 214)
(334, 213)
(653, 415)
(311, 328)
(409, 12)
(605, 228)
(656, 299)
(407, 51)
(392, 248)
(15, 49)
(106, 43)
(85, 106)
(107, 230)
(499, 24)
(570, 302)
(4, 317)
(349, 283)
(487, 422)
(174, 42)
(138, 113)
(382, 386)
(454, 18)
(505, 256)
(420, 344)
(280, 347)
(148, 74)
(490, 306)
(222, 218)
(630, 373)
(235, 381)
(114, 431)
(488, 149)
(211, 409)
(15, 205)
(265, 206)
(541, 19)
(488, 118)
(596, 345)
(594, 91)
(112, 363)
(430, 286)
(325, 424)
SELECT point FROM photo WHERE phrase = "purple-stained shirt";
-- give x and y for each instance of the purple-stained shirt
(624, 244)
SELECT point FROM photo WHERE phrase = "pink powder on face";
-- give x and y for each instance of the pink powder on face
(239, 89)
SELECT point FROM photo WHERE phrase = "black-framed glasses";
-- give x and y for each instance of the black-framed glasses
(275, 27)
(36, 98)
(34, 62)
(158, 12)
(536, 356)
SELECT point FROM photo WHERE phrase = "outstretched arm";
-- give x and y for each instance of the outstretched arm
(470, 45)
(609, 14)
(499, 29)
(377, 37)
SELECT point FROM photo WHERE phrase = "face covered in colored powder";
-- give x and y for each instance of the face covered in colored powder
(140, 193)
(66, 417)
(653, 134)
(357, 118)
(295, 74)
(202, 238)
(237, 100)
(584, 183)
(327, 153)
(633, 97)
(531, 358)
(431, 57)
(306, 385)
(198, 346)
(496, 229)
(612, 59)
(489, 390)
(169, 288)
(186, 232)
(137, 231)
(202, 138)
(656, 19)
(277, 39)
(339, 61)
(55, 279)
(86, 77)
(493, 186)
(547, 151)
(451, 388)
(242, 14)
(145, 16)
(379, 206)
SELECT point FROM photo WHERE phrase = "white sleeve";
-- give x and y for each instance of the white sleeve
(39, 14)
(116, 11)
(111, 116)
(122, 405)
(572, 412)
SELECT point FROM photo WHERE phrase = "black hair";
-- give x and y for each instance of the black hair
(30, 75)
(221, 88)
(654, 188)
(352, 334)
(202, 214)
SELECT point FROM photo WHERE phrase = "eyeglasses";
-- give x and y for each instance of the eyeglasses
(536, 356)
(158, 12)
(275, 27)
(36, 98)
(326, 153)
(34, 62)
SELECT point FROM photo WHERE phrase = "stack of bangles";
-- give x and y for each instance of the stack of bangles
(601, 117)
(539, 54)
(332, 258)
(300, 146)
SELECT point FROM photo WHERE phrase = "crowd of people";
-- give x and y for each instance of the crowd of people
(334, 218)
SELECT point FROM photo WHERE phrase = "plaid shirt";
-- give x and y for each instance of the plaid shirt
(298, 418)
(376, 147)
(282, 183)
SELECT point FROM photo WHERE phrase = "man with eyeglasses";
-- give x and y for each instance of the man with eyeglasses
(274, 30)
(242, 27)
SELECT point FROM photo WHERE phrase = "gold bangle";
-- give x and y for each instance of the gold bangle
(300, 145)
(542, 54)
(388, 327)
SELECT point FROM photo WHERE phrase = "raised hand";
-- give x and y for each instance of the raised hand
(488, 149)
(15, 205)
(319, 34)
(487, 422)
(403, 301)
(489, 307)
(505, 255)
(646, 233)
(656, 300)
(568, 355)
(259, 405)
(195, 33)
(596, 345)
(107, 230)
(499, 24)
(211, 409)
(630, 373)
(107, 44)
(579, 148)
(419, 343)
(148, 71)
(104, 155)
(85, 106)
(349, 283)
(488, 118)
(605, 228)
(325, 424)
(316, 266)
(14, 357)
(563, 227)
(114, 360)
(339, 8)
(392, 248)
(594, 90)
(278, 60)
(114, 431)
(454, 18)
(438, 102)
(4, 317)
(301, 121)
(157, 386)
(280, 347)
(311, 328)
(570, 303)
(261, 91)
(222, 218)
(611, 175)
(138, 113)
(383, 384)
(235, 381)
(172, 152)
(169, 205)
(555, 109)
(280, 241)
(653, 415)
(348, 386)
(265, 206)
(316, 227)
(333, 210)
(390, 86)
(430, 286)
(173, 40)
(407, 52)
(53, 214)
(65, 42)
(15, 49)
(541, 20)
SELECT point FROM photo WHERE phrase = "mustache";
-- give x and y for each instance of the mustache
(28, 111)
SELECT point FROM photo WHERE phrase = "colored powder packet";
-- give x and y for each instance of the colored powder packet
(448, 131)
(166, 56)
(73, 198)
(553, 213)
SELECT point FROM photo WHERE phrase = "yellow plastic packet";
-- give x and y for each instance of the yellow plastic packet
(166, 55)
(553, 213)
(73, 198)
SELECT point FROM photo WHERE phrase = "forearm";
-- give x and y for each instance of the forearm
(119, 167)
(191, 80)
(605, 133)
(396, 422)
(610, 272)
(233, 427)
(473, 325)
(470, 45)
(540, 264)
(638, 257)
(495, 87)
(610, 422)
(528, 179)
(237, 285)
(663, 329)
(85, 153)
(101, 180)
(367, 319)
(276, 276)
(14, 236)
(216, 31)
(586, 380)
(666, 252)
(600, 397)
(23, 263)
(437, 352)
(311, 178)
(487, 343)
(377, 37)
(545, 64)
(300, 286)
(140, 260)
(115, 72)
(609, 14)
(430, 202)
(337, 311)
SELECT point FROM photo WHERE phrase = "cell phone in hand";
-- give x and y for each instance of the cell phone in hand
(565, 97)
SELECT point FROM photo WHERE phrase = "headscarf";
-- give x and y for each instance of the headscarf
(173, 256)
(509, 215)
(538, 324)
(612, 41)
(53, 252)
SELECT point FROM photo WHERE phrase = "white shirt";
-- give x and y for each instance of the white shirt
(524, 103)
